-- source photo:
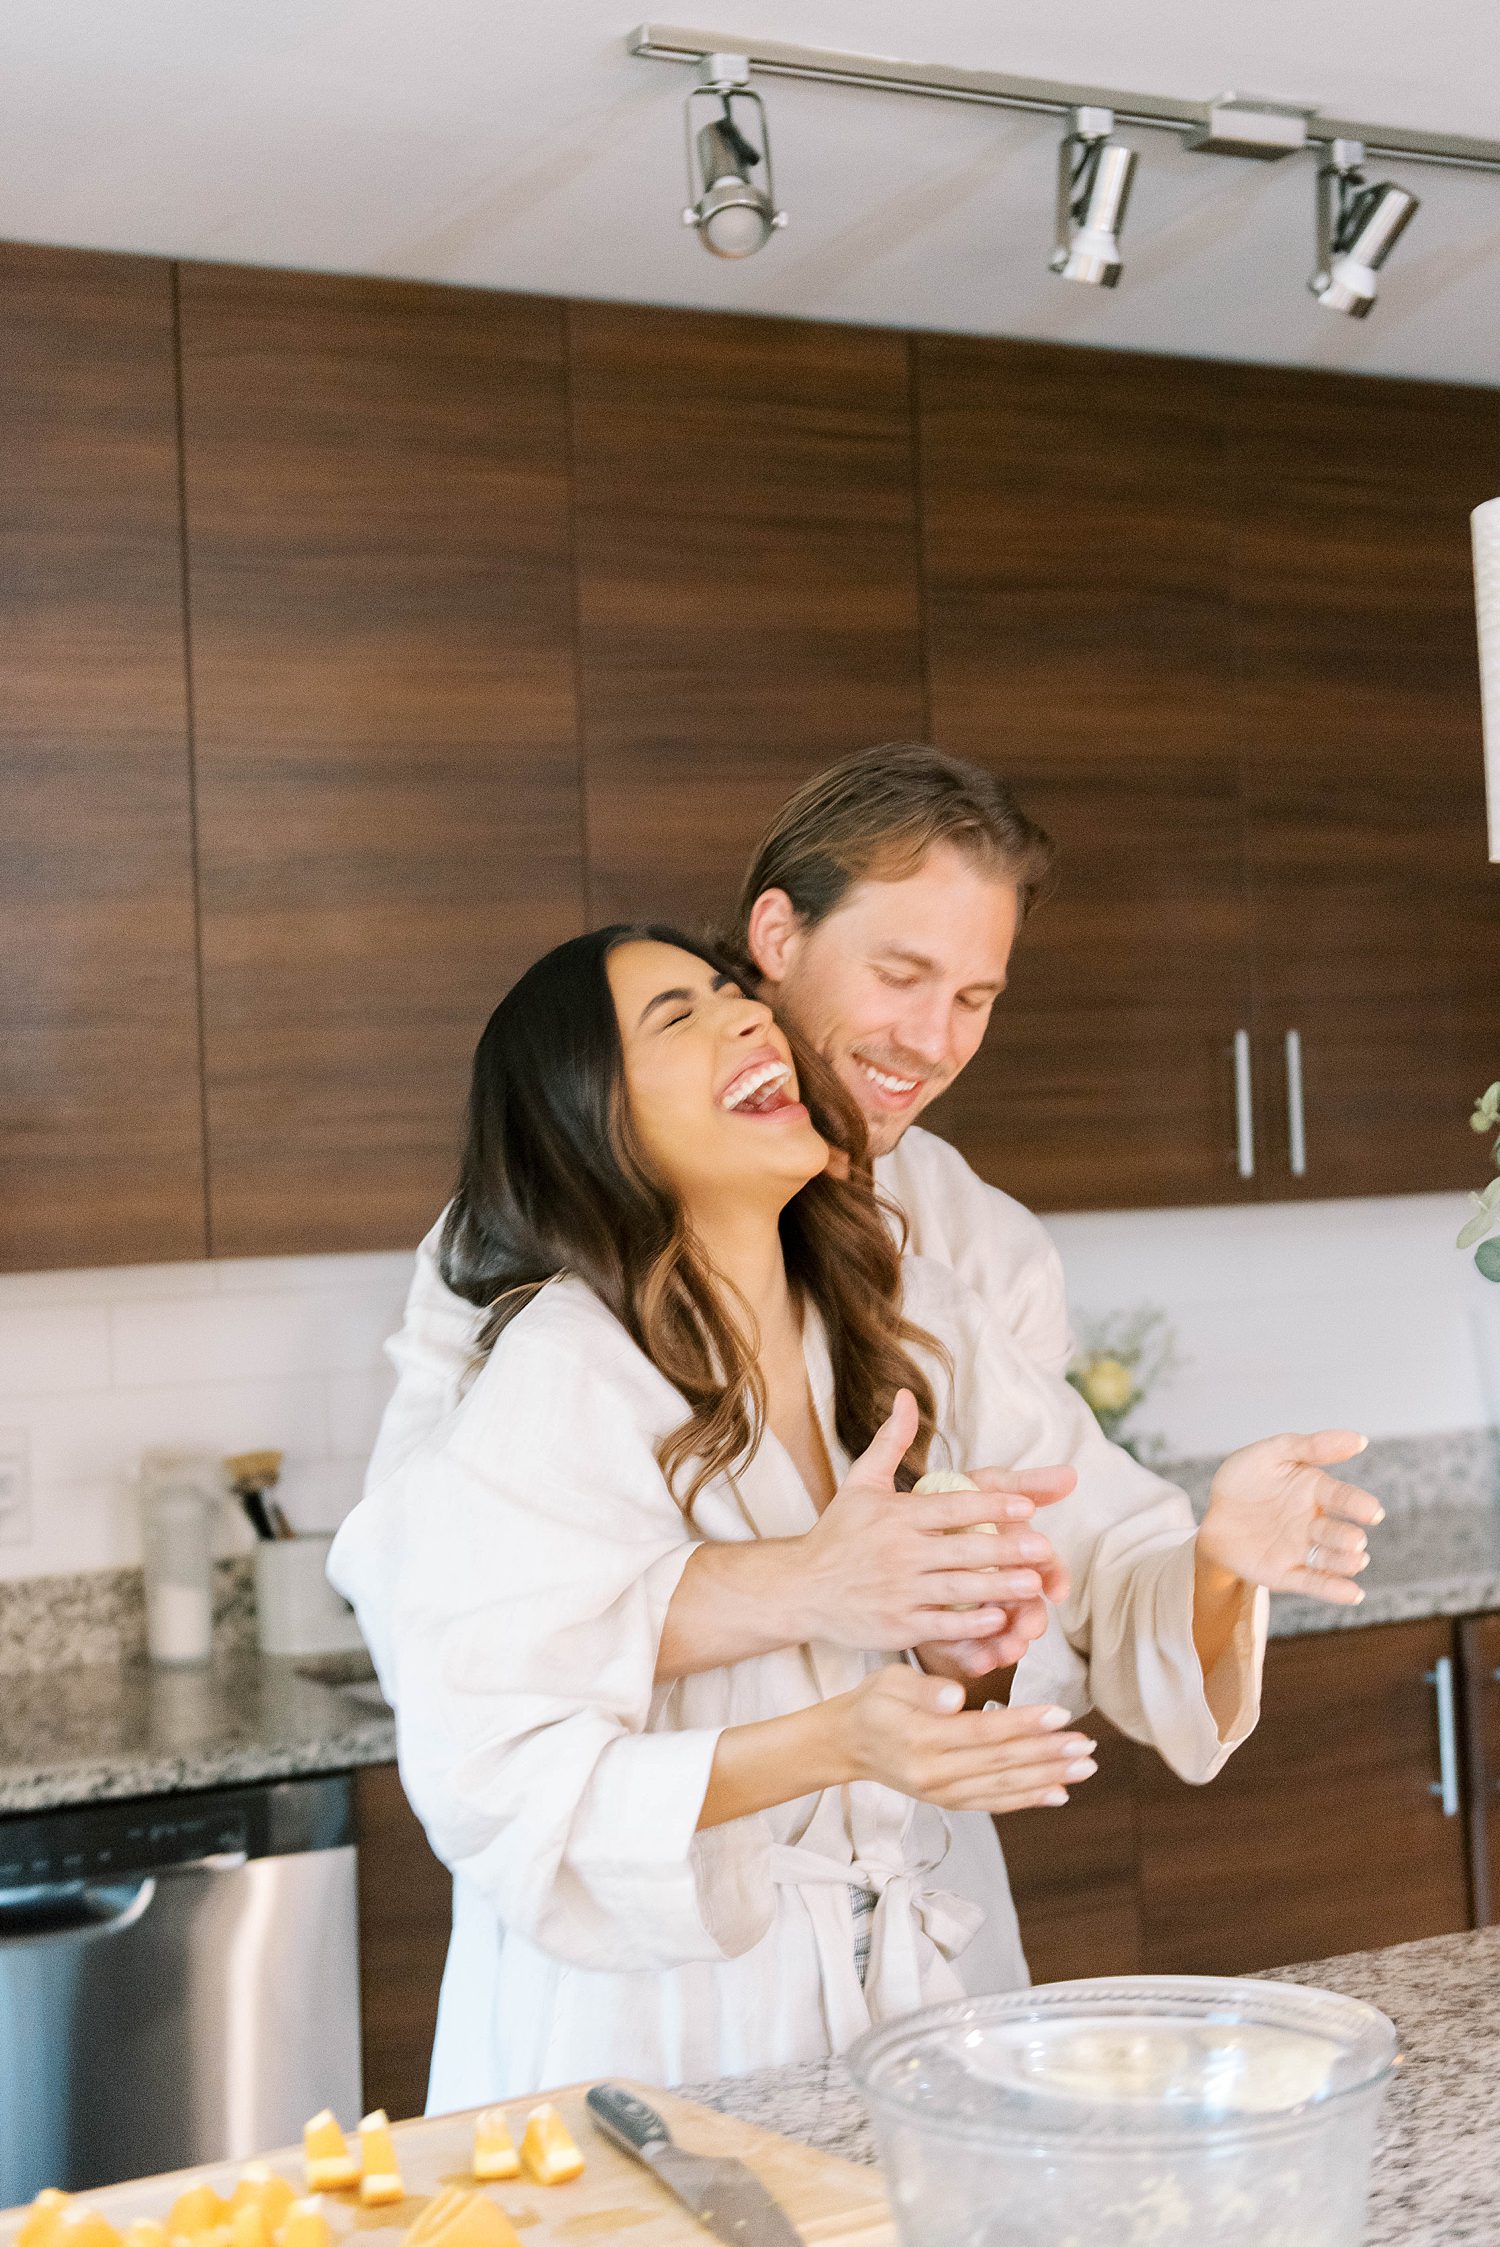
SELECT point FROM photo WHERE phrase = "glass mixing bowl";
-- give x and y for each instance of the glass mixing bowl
(1131, 2111)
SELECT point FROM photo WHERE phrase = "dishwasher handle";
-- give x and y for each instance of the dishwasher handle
(72, 1911)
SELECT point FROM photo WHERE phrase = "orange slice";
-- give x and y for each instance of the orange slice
(331, 2167)
(249, 2227)
(548, 2148)
(42, 2217)
(380, 2181)
(495, 2155)
(436, 2214)
(146, 2232)
(197, 2210)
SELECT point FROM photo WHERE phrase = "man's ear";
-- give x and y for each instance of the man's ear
(772, 934)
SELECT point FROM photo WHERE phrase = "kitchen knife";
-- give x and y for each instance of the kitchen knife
(724, 2195)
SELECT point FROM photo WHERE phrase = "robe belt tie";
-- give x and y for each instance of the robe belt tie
(909, 1916)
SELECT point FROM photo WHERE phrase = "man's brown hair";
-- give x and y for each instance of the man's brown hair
(874, 817)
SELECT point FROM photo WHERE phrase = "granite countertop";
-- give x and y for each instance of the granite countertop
(1437, 2169)
(105, 1731)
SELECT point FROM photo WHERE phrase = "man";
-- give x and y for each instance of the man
(879, 916)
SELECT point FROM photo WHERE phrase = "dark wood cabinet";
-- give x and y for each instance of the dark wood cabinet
(405, 1911)
(101, 1143)
(1323, 1833)
(1479, 1664)
(748, 603)
(382, 661)
(1078, 564)
(1376, 919)
(1073, 1871)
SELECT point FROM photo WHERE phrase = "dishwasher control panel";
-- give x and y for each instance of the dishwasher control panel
(98, 1842)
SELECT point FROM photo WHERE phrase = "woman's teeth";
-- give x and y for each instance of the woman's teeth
(755, 1088)
(898, 1087)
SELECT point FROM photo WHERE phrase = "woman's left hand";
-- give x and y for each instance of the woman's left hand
(1275, 1518)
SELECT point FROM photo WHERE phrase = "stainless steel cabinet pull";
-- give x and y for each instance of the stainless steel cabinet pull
(1440, 1676)
(1296, 1121)
(1244, 1106)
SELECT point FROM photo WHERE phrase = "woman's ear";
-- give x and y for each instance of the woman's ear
(772, 934)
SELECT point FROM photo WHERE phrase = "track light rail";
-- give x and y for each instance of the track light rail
(993, 89)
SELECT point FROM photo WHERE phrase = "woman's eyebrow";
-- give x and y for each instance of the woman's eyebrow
(665, 998)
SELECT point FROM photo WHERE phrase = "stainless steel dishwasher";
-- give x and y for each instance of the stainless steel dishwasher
(179, 1980)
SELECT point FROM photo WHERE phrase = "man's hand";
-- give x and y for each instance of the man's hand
(887, 1570)
(1275, 1518)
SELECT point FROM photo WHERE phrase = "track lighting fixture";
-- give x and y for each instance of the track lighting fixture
(733, 214)
(1094, 172)
(1359, 224)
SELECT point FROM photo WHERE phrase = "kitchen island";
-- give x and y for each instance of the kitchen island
(1437, 2168)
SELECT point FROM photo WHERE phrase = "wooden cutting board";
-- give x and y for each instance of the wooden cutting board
(615, 2203)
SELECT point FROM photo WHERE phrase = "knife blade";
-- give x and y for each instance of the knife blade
(724, 2195)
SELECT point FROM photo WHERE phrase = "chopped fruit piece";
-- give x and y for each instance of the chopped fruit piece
(548, 2149)
(249, 2226)
(146, 2232)
(461, 2216)
(495, 2155)
(433, 2217)
(306, 2225)
(260, 2187)
(330, 2165)
(381, 2179)
(42, 2218)
(84, 2227)
(197, 2210)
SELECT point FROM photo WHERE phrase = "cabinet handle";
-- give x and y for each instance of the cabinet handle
(1440, 1677)
(1244, 1106)
(1296, 1122)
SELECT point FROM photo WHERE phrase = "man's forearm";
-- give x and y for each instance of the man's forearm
(732, 1601)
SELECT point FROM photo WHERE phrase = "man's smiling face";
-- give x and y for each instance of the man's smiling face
(895, 986)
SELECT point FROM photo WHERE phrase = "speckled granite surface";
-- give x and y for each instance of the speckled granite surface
(110, 1730)
(99, 1615)
(1437, 2170)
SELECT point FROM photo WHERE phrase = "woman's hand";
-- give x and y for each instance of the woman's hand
(880, 1569)
(912, 1733)
(1275, 1518)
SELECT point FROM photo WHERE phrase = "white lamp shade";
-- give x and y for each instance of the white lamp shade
(1486, 526)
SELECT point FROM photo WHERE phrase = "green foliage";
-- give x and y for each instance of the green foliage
(1119, 1359)
(1486, 1217)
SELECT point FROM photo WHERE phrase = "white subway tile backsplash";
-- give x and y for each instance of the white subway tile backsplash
(249, 1336)
(51, 1349)
(1286, 1315)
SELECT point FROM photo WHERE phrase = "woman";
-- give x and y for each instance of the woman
(698, 1322)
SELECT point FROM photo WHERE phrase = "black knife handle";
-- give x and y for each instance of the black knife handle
(627, 2119)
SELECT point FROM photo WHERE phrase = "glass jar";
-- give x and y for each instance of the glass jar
(178, 1505)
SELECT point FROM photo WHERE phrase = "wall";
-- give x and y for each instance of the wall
(1287, 1316)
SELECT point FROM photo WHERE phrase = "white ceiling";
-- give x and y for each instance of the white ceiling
(523, 148)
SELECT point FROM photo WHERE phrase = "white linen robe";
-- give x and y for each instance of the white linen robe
(512, 1582)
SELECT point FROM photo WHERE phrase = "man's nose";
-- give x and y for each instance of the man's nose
(925, 1031)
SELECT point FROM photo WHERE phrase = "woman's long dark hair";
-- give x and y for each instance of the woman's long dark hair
(553, 1179)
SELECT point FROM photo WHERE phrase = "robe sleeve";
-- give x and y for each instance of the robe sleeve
(517, 1604)
(1122, 1640)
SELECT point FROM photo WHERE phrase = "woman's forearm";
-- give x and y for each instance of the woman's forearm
(758, 1766)
(732, 1601)
(1218, 1600)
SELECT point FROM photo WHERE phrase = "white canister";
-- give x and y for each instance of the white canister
(297, 1610)
(179, 1506)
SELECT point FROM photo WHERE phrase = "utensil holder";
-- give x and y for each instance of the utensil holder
(297, 1610)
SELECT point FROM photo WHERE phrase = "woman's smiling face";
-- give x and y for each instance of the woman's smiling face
(709, 1077)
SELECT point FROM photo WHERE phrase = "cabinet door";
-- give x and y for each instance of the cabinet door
(1479, 1647)
(405, 1913)
(1080, 638)
(101, 1140)
(1377, 919)
(747, 584)
(389, 821)
(1073, 1871)
(1323, 1833)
